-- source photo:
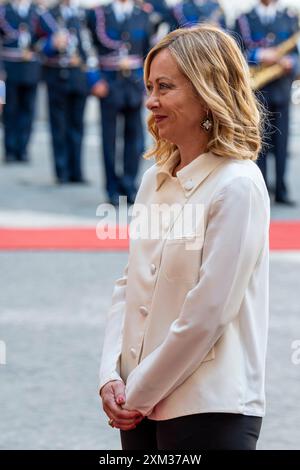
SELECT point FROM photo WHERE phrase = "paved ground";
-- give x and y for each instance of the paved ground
(53, 307)
(53, 311)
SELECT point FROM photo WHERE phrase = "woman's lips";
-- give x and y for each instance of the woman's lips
(159, 118)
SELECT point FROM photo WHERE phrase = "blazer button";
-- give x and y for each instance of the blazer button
(133, 352)
(153, 269)
(188, 185)
(143, 311)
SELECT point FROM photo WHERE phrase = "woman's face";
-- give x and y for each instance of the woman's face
(177, 110)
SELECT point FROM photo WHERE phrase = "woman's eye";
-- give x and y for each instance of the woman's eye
(164, 85)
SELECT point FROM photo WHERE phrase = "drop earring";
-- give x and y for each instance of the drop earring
(207, 123)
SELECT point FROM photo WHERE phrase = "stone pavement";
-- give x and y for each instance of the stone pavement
(53, 307)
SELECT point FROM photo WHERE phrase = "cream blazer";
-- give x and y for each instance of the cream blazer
(187, 328)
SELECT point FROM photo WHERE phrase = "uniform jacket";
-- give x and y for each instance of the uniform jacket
(17, 35)
(112, 38)
(187, 329)
(190, 12)
(253, 35)
(161, 12)
(57, 68)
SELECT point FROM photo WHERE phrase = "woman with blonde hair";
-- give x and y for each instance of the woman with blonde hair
(183, 360)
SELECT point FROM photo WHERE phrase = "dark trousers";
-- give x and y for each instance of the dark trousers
(276, 141)
(66, 111)
(18, 114)
(132, 147)
(205, 431)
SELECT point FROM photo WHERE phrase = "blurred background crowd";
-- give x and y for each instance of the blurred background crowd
(72, 134)
(83, 49)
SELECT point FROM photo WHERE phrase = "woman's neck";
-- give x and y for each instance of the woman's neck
(189, 152)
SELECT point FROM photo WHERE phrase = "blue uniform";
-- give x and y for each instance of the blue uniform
(253, 35)
(159, 6)
(121, 47)
(160, 12)
(21, 67)
(65, 75)
(191, 12)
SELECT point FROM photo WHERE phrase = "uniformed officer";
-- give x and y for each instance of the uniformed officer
(190, 12)
(260, 31)
(21, 70)
(64, 60)
(121, 32)
(158, 10)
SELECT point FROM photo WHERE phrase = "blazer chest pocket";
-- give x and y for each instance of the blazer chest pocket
(181, 259)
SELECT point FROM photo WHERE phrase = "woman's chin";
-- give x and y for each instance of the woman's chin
(163, 134)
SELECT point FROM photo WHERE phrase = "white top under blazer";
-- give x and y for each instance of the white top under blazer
(187, 328)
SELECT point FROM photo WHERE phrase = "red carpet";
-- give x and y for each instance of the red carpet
(284, 235)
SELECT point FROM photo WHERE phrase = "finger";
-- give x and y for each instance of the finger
(129, 421)
(137, 413)
(111, 408)
(119, 392)
(120, 399)
(124, 414)
(125, 422)
(125, 428)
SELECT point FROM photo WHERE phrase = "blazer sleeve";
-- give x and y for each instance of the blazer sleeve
(111, 352)
(236, 233)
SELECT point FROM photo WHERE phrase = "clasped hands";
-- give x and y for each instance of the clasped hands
(113, 397)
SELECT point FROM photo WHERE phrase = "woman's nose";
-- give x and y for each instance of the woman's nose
(151, 102)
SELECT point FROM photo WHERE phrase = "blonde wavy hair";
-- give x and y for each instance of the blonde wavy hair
(214, 64)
